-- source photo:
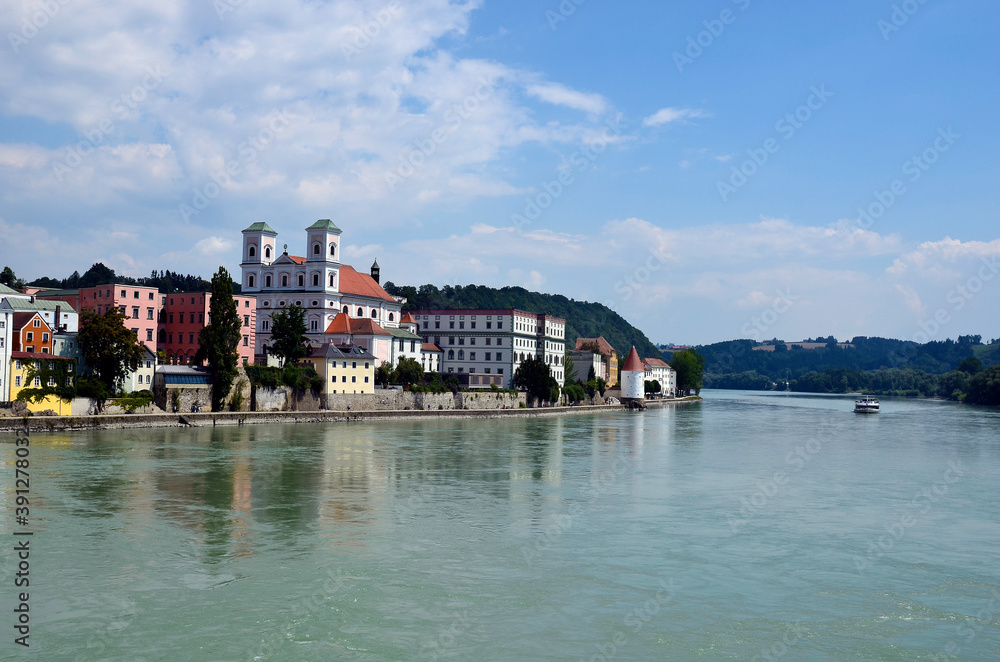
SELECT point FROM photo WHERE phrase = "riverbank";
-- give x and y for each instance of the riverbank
(210, 419)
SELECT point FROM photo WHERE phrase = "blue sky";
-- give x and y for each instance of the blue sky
(591, 149)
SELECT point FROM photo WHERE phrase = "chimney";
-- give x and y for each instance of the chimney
(55, 328)
(375, 272)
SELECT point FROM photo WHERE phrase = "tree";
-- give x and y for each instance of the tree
(218, 341)
(652, 386)
(591, 374)
(970, 365)
(602, 386)
(408, 372)
(532, 376)
(383, 373)
(109, 350)
(591, 388)
(690, 366)
(8, 278)
(288, 333)
(984, 388)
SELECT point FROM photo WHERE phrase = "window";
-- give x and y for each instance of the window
(499, 324)
(123, 294)
(451, 355)
(52, 381)
(316, 249)
(345, 310)
(488, 341)
(413, 345)
(472, 356)
(343, 378)
(267, 252)
(121, 309)
(451, 340)
(487, 371)
(264, 325)
(147, 379)
(461, 355)
(437, 325)
(354, 379)
(170, 338)
(135, 294)
(425, 325)
(149, 313)
(38, 381)
(499, 371)
(390, 317)
(500, 358)
(366, 380)
(472, 341)
(473, 325)
(499, 341)
(315, 281)
(17, 380)
(451, 325)
(250, 280)
(246, 341)
(267, 281)
(252, 252)
(374, 314)
(149, 335)
(461, 340)
(333, 249)
(31, 336)
(302, 280)
(361, 312)
(150, 296)
(135, 312)
(284, 280)
(461, 325)
(366, 367)
(314, 325)
(488, 355)
(36, 323)
(489, 325)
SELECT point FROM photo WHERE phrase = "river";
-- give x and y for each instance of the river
(748, 526)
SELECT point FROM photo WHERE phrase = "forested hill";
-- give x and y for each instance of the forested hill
(585, 319)
(736, 358)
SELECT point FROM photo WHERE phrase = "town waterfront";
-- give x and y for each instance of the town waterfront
(775, 525)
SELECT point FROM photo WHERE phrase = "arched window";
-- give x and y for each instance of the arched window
(451, 355)
(267, 281)
(361, 312)
(284, 281)
(345, 310)
(333, 249)
(250, 280)
(461, 355)
(390, 317)
(302, 280)
(315, 280)
(331, 280)
(267, 252)
(374, 314)
(315, 249)
(253, 251)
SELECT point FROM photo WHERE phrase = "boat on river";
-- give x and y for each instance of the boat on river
(866, 404)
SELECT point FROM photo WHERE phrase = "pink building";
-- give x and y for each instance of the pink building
(140, 305)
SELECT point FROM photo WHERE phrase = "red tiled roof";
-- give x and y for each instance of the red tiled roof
(18, 320)
(344, 324)
(38, 355)
(603, 346)
(359, 284)
(633, 363)
(407, 319)
(296, 259)
(430, 347)
(656, 363)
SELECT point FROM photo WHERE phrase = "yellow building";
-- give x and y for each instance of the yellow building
(344, 368)
(31, 369)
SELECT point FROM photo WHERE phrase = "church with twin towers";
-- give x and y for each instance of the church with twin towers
(322, 285)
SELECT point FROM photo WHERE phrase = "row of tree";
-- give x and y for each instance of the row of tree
(168, 282)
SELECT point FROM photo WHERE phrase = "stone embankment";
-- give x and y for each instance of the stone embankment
(209, 419)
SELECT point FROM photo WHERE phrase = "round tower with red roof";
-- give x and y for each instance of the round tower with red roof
(633, 379)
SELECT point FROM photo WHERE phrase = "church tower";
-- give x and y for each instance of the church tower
(323, 256)
(258, 252)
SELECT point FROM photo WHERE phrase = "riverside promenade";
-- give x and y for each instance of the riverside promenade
(210, 419)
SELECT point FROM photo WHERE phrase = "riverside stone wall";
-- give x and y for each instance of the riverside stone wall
(390, 399)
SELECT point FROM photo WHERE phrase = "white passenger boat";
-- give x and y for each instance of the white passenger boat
(866, 404)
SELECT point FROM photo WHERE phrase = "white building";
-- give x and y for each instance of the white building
(318, 282)
(660, 371)
(490, 345)
(142, 378)
(406, 344)
(633, 376)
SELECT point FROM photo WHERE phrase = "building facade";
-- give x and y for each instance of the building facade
(660, 371)
(493, 342)
(185, 314)
(318, 282)
(601, 346)
(344, 368)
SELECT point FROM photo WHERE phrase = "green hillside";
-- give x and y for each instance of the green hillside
(583, 319)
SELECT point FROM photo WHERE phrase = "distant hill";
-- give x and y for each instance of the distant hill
(583, 319)
(736, 362)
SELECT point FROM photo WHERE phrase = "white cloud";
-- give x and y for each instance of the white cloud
(668, 115)
(561, 95)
